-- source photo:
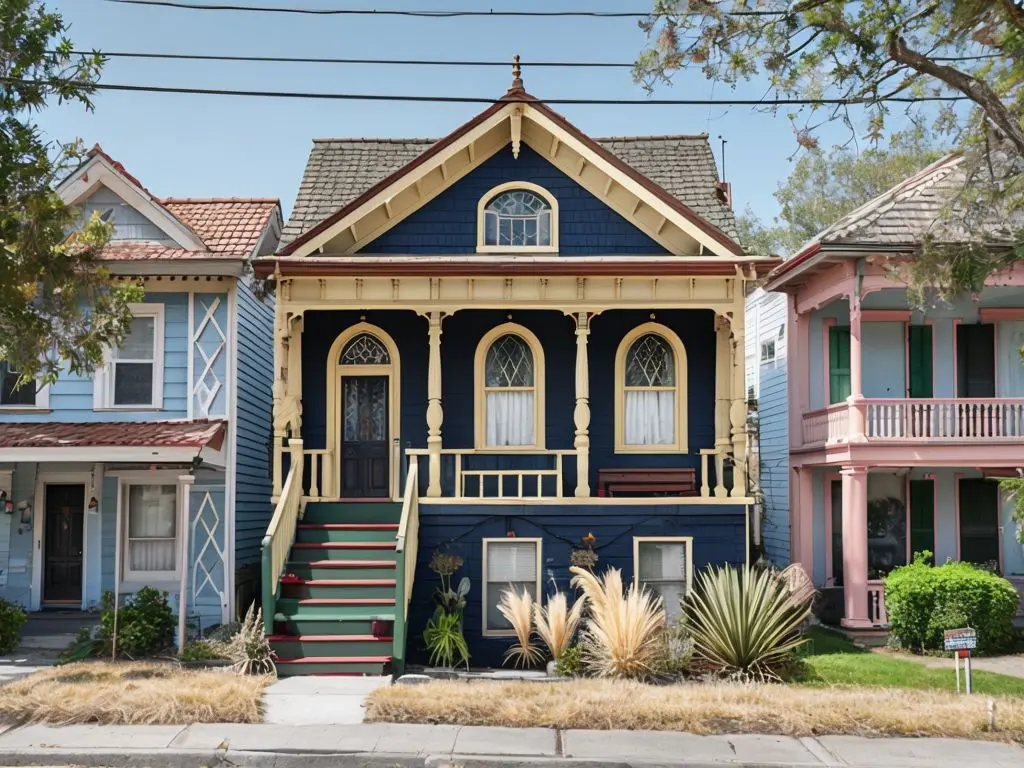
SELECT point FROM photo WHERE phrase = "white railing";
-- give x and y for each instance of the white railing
(827, 425)
(280, 536)
(407, 542)
(876, 604)
(954, 420)
(507, 483)
(319, 464)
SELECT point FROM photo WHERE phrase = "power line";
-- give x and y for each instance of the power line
(179, 4)
(315, 60)
(477, 99)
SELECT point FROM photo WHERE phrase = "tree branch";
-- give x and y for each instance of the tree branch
(1013, 12)
(976, 90)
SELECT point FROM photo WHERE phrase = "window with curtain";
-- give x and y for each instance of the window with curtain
(517, 218)
(508, 563)
(650, 391)
(132, 376)
(510, 393)
(663, 566)
(151, 536)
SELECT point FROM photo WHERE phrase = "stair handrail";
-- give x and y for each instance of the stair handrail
(280, 536)
(406, 551)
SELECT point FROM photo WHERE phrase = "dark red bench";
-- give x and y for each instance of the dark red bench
(678, 481)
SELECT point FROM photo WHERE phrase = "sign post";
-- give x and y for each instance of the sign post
(961, 642)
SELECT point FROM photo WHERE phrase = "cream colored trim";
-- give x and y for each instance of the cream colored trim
(597, 501)
(480, 391)
(335, 372)
(483, 579)
(686, 541)
(481, 208)
(679, 353)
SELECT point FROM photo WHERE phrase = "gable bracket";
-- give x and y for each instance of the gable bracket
(516, 125)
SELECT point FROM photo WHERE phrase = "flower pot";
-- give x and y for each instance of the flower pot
(552, 669)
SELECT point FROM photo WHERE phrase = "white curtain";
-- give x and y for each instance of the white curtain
(662, 569)
(510, 418)
(650, 417)
(152, 524)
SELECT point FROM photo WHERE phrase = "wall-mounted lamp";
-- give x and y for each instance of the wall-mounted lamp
(25, 508)
(93, 504)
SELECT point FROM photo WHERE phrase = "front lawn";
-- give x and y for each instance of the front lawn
(833, 660)
(131, 694)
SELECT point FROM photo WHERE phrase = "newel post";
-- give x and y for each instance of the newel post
(581, 414)
(435, 413)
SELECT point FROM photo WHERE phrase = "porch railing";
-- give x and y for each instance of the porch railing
(407, 543)
(827, 425)
(945, 419)
(319, 463)
(280, 536)
(876, 604)
(503, 483)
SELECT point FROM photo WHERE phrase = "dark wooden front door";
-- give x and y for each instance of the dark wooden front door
(979, 521)
(62, 543)
(365, 471)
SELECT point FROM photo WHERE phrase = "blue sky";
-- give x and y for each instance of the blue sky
(201, 146)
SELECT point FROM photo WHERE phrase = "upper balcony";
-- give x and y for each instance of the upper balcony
(924, 420)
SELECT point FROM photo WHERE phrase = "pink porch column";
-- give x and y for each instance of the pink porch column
(856, 399)
(801, 502)
(798, 344)
(855, 547)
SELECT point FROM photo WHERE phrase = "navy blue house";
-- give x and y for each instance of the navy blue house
(507, 344)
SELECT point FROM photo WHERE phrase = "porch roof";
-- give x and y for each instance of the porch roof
(169, 440)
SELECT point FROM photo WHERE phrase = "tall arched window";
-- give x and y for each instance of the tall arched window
(517, 217)
(650, 382)
(509, 389)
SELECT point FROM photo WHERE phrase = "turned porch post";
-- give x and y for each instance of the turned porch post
(855, 547)
(435, 414)
(581, 415)
(738, 414)
(723, 401)
(856, 399)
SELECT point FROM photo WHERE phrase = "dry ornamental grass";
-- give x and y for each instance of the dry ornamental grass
(700, 708)
(131, 694)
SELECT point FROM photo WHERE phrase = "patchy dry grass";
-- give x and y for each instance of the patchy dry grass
(131, 693)
(700, 708)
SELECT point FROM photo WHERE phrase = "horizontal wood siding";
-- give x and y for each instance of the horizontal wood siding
(253, 421)
(129, 224)
(717, 538)
(448, 223)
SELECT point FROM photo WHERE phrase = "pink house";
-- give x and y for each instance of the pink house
(899, 421)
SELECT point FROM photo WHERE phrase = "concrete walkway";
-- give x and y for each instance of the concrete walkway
(311, 746)
(319, 700)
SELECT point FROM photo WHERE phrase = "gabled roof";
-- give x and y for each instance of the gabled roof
(517, 117)
(339, 170)
(202, 228)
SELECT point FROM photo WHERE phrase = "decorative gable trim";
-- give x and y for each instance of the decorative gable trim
(518, 119)
(100, 170)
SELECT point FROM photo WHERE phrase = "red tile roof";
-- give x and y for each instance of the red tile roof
(229, 226)
(114, 434)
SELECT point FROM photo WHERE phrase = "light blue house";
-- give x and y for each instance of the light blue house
(153, 471)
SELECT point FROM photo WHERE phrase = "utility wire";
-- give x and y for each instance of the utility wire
(474, 99)
(179, 4)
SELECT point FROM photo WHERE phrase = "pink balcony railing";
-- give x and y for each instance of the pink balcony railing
(828, 425)
(945, 420)
(876, 604)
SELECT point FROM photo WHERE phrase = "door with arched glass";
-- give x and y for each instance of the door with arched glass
(366, 366)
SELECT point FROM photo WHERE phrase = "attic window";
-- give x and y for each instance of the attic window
(517, 217)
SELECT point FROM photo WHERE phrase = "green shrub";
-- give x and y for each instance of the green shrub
(923, 601)
(570, 662)
(203, 650)
(12, 617)
(145, 624)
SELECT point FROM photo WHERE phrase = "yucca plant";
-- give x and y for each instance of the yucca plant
(622, 633)
(746, 622)
(249, 650)
(445, 641)
(556, 623)
(517, 608)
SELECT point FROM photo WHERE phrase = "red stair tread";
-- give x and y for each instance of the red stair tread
(347, 601)
(348, 526)
(347, 563)
(344, 545)
(336, 660)
(328, 638)
(346, 582)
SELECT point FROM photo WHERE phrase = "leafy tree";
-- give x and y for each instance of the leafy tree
(57, 302)
(959, 62)
(825, 186)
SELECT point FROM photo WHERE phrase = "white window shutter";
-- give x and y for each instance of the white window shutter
(510, 562)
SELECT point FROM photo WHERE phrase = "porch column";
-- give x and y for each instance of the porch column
(185, 483)
(798, 344)
(581, 415)
(723, 401)
(435, 414)
(801, 517)
(287, 392)
(855, 547)
(739, 406)
(856, 399)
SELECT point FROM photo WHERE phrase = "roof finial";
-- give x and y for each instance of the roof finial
(517, 74)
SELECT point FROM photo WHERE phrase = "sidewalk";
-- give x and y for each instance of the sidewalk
(439, 746)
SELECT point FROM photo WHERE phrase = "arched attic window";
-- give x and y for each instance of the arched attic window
(650, 397)
(517, 216)
(509, 391)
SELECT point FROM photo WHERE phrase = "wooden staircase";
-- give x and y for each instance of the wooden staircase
(336, 608)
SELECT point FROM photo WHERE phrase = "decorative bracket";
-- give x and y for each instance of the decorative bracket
(516, 120)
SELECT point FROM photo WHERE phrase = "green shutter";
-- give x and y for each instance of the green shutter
(922, 516)
(838, 363)
(919, 342)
